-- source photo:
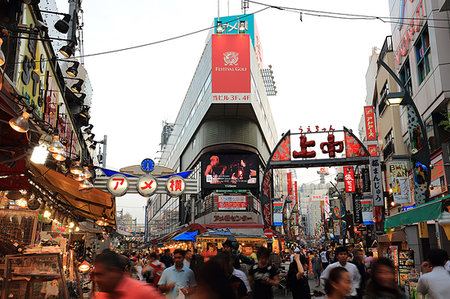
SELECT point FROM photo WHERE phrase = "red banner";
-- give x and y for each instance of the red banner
(369, 116)
(349, 178)
(289, 188)
(231, 67)
(372, 148)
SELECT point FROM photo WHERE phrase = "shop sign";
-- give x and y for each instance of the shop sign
(438, 180)
(369, 116)
(175, 185)
(399, 181)
(237, 203)
(146, 185)
(366, 180)
(373, 149)
(330, 147)
(357, 211)
(230, 77)
(59, 228)
(117, 185)
(377, 188)
(236, 217)
(416, 18)
(367, 211)
(337, 227)
(349, 179)
(326, 207)
(277, 213)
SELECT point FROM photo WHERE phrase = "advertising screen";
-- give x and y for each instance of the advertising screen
(229, 171)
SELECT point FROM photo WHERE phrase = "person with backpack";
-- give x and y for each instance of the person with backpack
(153, 270)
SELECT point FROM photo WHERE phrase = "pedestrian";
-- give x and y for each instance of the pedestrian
(382, 284)
(316, 262)
(342, 255)
(177, 278)
(324, 258)
(113, 282)
(213, 282)
(338, 284)
(297, 278)
(358, 261)
(166, 258)
(435, 284)
(369, 260)
(262, 276)
(275, 259)
(153, 270)
(196, 262)
(188, 258)
(225, 261)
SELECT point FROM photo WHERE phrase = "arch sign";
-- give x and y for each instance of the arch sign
(334, 148)
(147, 185)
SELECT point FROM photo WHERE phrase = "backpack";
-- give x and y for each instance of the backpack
(157, 272)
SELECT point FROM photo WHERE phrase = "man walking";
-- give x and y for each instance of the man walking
(435, 284)
(113, 282)
(166, 258)
(342, 255)
(177, 278)
(263, 275)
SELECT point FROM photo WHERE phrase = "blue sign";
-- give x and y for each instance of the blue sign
(147, 165)
(407, 208)
(230, 25)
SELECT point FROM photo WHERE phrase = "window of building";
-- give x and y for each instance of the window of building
(423, 54)
(405, 76)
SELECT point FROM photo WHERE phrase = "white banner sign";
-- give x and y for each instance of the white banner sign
(377, 185)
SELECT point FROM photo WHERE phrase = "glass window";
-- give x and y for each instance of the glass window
(405, 76)
(423, 54)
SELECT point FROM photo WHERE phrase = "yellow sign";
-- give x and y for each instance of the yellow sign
(423, 230)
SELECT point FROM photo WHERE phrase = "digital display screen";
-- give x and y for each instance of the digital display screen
(229, 170)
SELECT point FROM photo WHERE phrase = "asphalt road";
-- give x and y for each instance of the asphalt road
(281, 293)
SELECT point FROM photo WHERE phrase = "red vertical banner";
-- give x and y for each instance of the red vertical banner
(369, 116)
(230, 76)
(349, 179)
(372, 148)
(289, 188)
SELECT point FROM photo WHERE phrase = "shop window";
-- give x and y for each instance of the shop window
(423, 54)
(405, 76)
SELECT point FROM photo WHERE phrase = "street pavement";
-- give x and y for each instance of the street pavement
(281, 293)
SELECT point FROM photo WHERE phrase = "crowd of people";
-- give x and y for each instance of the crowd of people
(227, 275)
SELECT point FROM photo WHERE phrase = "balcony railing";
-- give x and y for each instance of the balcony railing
(387, 46)
(388, 150)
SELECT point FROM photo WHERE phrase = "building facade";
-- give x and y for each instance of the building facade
(224, 133)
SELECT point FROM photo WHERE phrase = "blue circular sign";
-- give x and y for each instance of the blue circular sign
(147, 165)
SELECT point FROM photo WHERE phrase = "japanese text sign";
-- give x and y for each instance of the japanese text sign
(117, 185)
(399, 181)
(369, 117)
(349, 179)
(175, 185)
(232, 203)
(146, 185)
(377, 188)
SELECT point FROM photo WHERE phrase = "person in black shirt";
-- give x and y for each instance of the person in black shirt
(166, 259)
(298, 278)
(263, 275)
(225, 261)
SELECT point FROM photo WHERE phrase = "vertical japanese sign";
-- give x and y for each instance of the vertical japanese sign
(373, 150)
(370, 123)
(231, 78)
(357, 210)
(399, 181)
(367, 211)
(349, 179)
(366, 179)
(277, 213)
(377, 187)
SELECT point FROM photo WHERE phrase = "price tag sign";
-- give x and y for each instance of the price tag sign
(117, 185)
(146, 185)
(175, 185)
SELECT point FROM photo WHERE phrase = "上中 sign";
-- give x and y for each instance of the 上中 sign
(117, 185)
(146, 185)
(175, 185)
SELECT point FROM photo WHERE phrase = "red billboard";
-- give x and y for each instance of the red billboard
(370, 123)
(231, 78)
(349, 178)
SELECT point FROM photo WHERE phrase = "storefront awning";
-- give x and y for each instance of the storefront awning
(429, 211)
(94, 205)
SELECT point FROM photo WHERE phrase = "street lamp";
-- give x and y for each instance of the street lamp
(420, 151)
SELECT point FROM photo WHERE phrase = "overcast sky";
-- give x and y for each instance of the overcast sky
(319, 66)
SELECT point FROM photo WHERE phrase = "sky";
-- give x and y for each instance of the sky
(319, 66)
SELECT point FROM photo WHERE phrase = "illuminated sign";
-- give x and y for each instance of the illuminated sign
(236, 203)
(117, 185)
(146, 185)
(369, 117)
(175, 185)
(349, 179)
(231, 78)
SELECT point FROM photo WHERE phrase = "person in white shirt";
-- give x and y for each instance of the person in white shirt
(342, 255)
(435, 284)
